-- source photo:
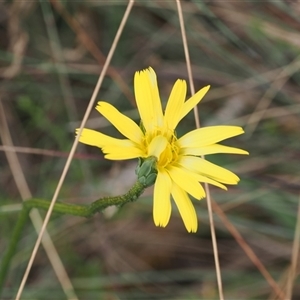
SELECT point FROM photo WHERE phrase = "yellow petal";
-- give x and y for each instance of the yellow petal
(206, 168)
(157, 146)
(114, 148)
(186, 181)
(162, 202)
(98, 139)
(212, 149)
(175, 104)
(202, 178)
(194, 172)
(208, 135)
(124, 124)
(193, 101)
(147, 99)
(122, 153)
(186, 208)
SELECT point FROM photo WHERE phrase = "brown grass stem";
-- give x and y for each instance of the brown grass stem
(73, 149)
(197, 120)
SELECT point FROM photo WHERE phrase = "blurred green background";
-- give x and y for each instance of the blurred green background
(51, 54)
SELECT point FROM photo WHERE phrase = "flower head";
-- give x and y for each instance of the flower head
(179, 167)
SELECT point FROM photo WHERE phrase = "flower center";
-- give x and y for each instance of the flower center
(170, 154)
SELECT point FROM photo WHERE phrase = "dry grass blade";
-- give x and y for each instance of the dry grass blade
(45, 152)
(197, 120)
(69, 160)
(35, 217)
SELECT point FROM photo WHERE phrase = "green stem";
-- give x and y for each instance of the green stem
(59, 207)
(63, 208)
(133, 194)
(88, 210)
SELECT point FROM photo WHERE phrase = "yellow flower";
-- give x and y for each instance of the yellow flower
(179, 167)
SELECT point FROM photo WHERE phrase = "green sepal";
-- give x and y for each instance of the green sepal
(146, 171)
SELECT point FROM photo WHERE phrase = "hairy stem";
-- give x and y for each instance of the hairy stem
(66, 209)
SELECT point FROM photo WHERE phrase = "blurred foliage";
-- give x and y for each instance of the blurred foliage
(248, 51)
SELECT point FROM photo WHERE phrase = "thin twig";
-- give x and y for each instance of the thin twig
(197, 120)
(74, 146)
